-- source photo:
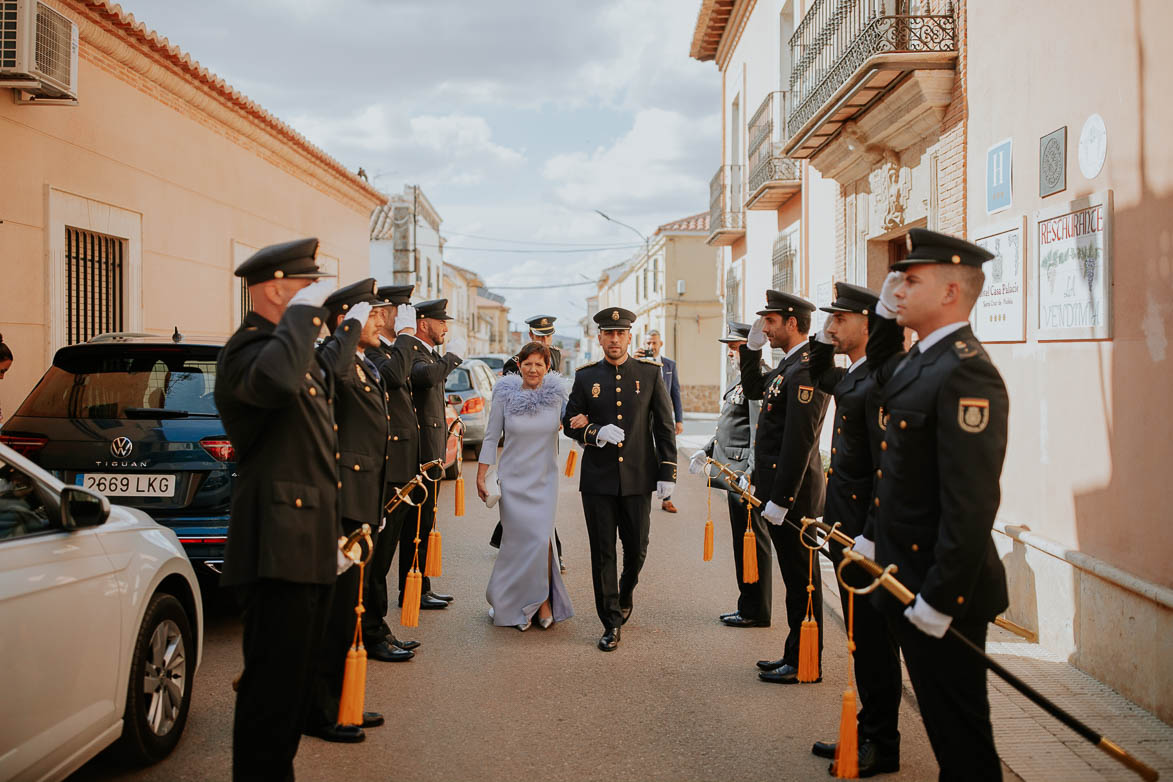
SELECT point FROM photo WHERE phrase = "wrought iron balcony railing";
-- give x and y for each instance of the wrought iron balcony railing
(836, 37)
(773, 177)
(726, 210)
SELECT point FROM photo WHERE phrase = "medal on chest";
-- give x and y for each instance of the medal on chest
(736, 396)
(637, 386)
(362, 376)
(595, 390)
(775, 386)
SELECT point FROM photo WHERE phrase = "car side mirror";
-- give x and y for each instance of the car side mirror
(81, 507)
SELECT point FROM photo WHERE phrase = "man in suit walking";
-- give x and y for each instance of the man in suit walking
(276, 403)
(429, 369)
(619, 408)
(654, 344)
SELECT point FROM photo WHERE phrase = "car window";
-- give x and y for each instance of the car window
(496, 364)
(22, 511)
(484, 380)
(120, 381)
(458, 380)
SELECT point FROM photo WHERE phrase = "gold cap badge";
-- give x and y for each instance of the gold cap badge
(614, 314)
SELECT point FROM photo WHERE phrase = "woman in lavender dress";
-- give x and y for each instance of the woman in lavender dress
(526, 408)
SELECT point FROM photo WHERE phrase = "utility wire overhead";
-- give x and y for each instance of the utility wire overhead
(533, 241)
(535, 249)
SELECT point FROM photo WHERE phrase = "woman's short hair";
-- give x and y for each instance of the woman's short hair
(531, 349)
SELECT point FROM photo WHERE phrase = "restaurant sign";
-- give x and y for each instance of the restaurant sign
(1074, 269)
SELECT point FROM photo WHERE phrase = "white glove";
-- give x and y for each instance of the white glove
(822, 335)
(313, 295)
(887, 306)
(696, 463)
(757, 337)
(743, 483)
(774, 513)
(611, 434)
(664, 489)
(382, 523)
(927, 619)
(344, 562)
(404, 318)
(359, 312)
(864, 546)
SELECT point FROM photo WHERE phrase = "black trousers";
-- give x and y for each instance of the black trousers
(283, 627)
(755, 600)
(374, 620)
(950, 685)
(877, 666)
(495, 538)
(427, 512)
(326, 689)
(606, 516)
(794, 564)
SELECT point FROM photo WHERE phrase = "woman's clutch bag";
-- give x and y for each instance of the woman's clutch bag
(492, 486)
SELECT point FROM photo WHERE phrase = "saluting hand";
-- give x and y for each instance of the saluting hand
(359, 312)
(888, 304)
(313, 295)
(757, 335)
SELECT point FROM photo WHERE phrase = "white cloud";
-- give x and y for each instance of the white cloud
(654, 163)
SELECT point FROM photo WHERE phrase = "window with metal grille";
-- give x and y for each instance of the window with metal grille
(732, 294)
(783, 263)
(94, 292)
(246, 301)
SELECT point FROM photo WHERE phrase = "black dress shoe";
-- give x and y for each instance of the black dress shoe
(387, 653)
(771, 665)
(438, 596)
(372, 719)
(872, 761)
(737, 620)
(429, 603)
(610, 640)
(824, 749)
(406, 645)
(625, 613)
(341, 734)
(787, 674)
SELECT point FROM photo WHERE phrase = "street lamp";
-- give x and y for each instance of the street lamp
(647, 241)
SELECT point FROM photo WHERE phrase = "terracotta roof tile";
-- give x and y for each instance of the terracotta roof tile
(696, 222)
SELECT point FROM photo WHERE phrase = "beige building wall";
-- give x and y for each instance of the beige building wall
(1085, 509)
(190, 178)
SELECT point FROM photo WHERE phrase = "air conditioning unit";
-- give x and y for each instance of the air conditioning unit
(38, 50)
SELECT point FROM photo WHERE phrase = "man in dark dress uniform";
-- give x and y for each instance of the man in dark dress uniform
(619, 410)
(360, 410)
(541, 329)
(732, 445)
(392, 357)
(788, 472)
(429, 370)
(276, 402)
(855, 449)
(937, 494)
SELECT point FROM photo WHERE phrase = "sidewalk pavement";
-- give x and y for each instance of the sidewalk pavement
(1034, 745)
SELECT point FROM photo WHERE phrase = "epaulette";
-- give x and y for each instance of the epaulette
(647, 360)
(587, 364)
(965, 348)
(805, 358)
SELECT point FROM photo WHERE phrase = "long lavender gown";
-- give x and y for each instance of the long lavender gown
(526, 571)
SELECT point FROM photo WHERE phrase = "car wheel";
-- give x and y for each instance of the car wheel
(161, 677)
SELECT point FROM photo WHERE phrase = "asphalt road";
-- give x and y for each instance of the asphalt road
(679, 699)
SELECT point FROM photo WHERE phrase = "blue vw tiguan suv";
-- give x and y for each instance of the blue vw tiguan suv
(132, 416)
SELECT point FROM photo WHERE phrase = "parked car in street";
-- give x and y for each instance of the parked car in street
(103, 627)
(132, 416)
(494, 361)
(469, 388)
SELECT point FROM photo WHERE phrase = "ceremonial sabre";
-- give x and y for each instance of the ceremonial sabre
(885, 577)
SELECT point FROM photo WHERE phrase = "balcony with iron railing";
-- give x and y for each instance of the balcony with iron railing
(848, 55)
(726, 206)
(773, 177)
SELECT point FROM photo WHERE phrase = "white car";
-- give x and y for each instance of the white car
(101, 627)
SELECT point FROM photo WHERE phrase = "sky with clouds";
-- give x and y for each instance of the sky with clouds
(518, 119)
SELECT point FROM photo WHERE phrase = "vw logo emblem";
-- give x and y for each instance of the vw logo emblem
(121, 447)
